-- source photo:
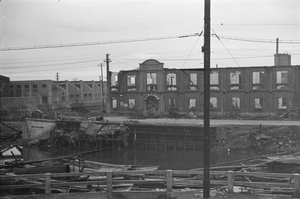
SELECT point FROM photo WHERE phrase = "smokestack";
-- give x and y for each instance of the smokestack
(283, 59)
(277, 45)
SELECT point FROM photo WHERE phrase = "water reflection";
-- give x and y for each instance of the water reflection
(166, 159)
(34, 153)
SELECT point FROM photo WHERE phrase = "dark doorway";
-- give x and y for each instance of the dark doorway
(45, 100)
(152, 104)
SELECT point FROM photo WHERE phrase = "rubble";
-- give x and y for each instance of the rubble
(259, 140)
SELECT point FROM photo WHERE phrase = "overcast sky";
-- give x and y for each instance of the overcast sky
(34, 23)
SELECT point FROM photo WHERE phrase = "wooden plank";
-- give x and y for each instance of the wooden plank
(197, 172)
(20, 186)
(16, 177)
(218, 182)
(169, 181)
(81, 183)
(141, 181)
(143, 192)
(156, 172)
(47, 183)
(256, 174)
(297, 185)
(109, 182)
(198, 182)
(77, 174)
(161, 174)
(263, 184)
(230, 181)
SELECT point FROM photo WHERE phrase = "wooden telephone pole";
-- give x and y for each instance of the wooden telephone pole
(57, 77)
(108, 83)
(206, 50)
(102, 87)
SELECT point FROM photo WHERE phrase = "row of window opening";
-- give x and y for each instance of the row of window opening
(192, 103)
(258, 81)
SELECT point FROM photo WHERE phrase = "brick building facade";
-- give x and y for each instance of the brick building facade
(4, 86)
(249, 92)
(61, 92)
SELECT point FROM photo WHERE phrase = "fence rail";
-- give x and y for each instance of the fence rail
(166, 178)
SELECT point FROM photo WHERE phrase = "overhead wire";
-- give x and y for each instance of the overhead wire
(191, 49)
(225, 47)
(247, 76)
(257, 40)
(54, 64)
(121, 62)
(52, 69)
(257, 24)
(46, 60)
(135, 40)
(96, 43)
(142, 39)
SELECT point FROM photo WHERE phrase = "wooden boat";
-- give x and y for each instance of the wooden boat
(35, 130)
(72, 132)
(105, 167)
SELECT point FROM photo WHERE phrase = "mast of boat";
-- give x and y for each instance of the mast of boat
(206, 51)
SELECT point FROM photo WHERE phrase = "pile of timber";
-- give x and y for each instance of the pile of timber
(69, 164)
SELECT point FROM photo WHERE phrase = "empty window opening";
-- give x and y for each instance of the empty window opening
(236, 103)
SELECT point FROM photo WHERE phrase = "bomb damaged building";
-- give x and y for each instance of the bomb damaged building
(239, 92)
(153, 91)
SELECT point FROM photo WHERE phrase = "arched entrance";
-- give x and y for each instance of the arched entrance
(152, 104)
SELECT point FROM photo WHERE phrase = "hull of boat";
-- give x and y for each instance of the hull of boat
(73, 132)
(35, 130)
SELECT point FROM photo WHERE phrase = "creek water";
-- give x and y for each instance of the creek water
(166, 159)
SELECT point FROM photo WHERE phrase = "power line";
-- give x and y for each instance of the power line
(97, 43)
(52, 69)
(192, 49)
(216, 58)
(260, 95)
(57, 64)
(47, 60)
(257, 24)
(126, 63)
(143, 39)
(225, 47)
(257, 40)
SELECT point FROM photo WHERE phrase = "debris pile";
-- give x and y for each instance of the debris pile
(259, 140)
(73, 134)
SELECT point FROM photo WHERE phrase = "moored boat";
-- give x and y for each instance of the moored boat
(72, 133)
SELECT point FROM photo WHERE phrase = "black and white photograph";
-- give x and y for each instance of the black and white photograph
(149, 99)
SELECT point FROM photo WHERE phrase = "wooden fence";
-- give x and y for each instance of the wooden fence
(169, 179)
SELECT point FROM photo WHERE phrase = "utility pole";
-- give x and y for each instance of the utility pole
(108, 83)
(102, 87)
(276, 56)
(75, 99)
(57, 87)
(206, 50)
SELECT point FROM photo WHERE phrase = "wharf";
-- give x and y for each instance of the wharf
(213, 122)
